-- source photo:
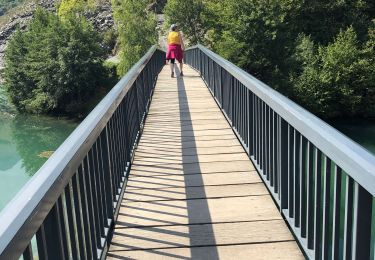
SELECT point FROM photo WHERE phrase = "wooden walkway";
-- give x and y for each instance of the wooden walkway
(192, 191)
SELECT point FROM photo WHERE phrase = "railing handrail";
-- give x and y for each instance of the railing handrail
(34, 198)
(350, 156)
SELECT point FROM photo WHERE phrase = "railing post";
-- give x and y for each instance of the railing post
(107, 173)
(362, 223)
(283, 162)
(53, 235)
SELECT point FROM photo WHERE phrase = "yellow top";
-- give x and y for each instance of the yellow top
(174, 38)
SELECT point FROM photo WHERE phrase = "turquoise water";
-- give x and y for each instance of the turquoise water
(360, 130)
(25, 144)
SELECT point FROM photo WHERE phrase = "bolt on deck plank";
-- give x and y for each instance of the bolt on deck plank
(192, 191)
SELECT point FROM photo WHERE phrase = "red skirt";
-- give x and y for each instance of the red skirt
(175, 52)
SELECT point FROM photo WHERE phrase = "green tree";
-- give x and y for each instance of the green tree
(293, 45)
(136, 29)
(255, 36)
(337, 80)
(323, 20)
(55, 66)
(192, 17)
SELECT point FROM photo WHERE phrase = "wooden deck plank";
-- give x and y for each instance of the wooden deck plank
(192, 191)
(265, 251)
(200, 235)
(188, 133)
(175, 181)
(197, 211)
(159, 152)
(193, 168)
(187, 159)
(184, 193)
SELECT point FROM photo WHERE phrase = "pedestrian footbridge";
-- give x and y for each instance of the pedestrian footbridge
(212, 165)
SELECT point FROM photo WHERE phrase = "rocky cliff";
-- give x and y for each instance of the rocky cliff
(101, 19)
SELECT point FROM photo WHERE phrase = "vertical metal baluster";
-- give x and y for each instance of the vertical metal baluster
(303, 181)
(266, 141)
(117, 157)
(310, 195)
(102, 185)
(41, 243)
(96, 187)
(80, 226)
(121, 140)
(291, 184)
(250, 105)
(246, 118)
(85, 220)
(283, 175)
(28, 253)
(89, 225)
(347, 245)
(112, 158)
(296, 172)
(276, 147)
(107, 174)
(74, 242)
(62, 222)
(326, 207)
(221, 88)
(261, 132)
(336, 212)
(54, 234)
(318, 199)
(362, 223)
(91, 200)
(268, 155)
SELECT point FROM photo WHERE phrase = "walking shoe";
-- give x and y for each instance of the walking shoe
(181, 74)
(172, 75)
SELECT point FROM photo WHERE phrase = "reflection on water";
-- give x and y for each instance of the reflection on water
(25, 144)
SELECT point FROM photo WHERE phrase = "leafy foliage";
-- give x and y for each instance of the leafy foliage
(54, 66)
(136, 29)
(338, 79)
(190, 16)
(66, 7)
(319, 53)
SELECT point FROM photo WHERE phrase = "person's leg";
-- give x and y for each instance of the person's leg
(181, 67)
(172, 67)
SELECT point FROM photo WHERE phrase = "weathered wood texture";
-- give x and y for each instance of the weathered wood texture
(192, 191)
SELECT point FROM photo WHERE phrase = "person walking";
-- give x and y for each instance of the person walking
(175, 49)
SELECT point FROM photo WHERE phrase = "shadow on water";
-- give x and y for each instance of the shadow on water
(204, 212)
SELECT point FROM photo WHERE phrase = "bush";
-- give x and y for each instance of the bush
(137, 31)
(54, 66)
(337, 80)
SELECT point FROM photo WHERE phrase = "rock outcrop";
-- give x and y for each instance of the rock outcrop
(101, 18)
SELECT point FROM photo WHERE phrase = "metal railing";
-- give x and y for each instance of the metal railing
(323, 183)
(71, 203)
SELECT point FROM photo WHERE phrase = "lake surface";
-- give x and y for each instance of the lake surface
(362, 131)
(25, 144)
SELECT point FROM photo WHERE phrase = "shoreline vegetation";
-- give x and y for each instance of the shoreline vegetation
(55, 67)
(319, 54)
(58, 65)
